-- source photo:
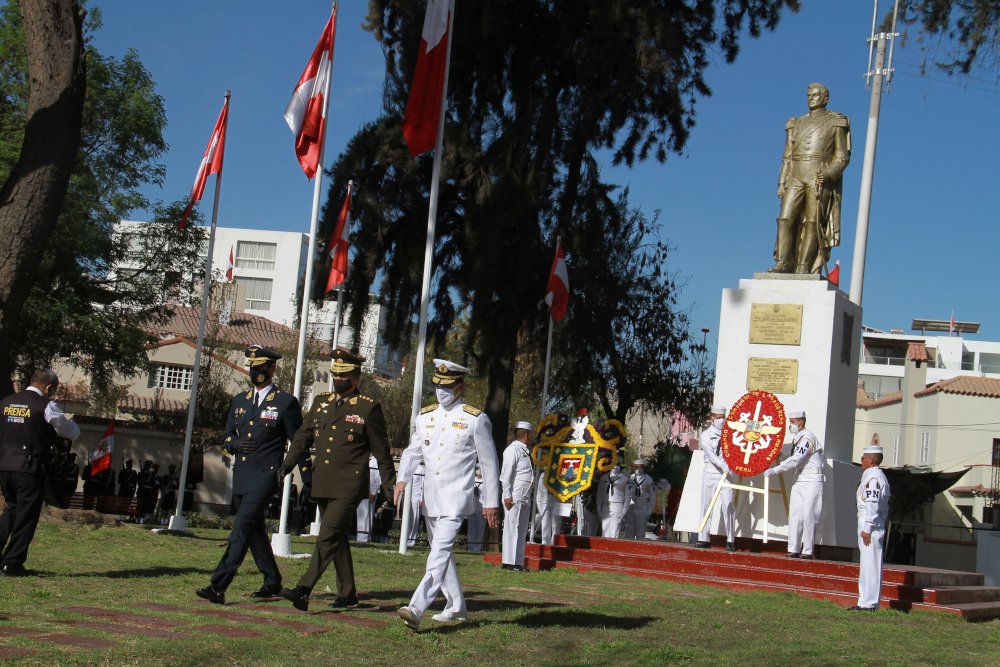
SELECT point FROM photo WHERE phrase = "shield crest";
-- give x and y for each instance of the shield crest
(574, 452)
(571, 470)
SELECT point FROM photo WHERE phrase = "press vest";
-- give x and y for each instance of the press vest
(26, 439)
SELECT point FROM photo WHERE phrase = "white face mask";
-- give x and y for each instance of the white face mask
(446, 396)
(793, 428)
(718, 423)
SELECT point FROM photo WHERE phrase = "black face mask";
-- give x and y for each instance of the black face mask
(342, 386)
(261, 376)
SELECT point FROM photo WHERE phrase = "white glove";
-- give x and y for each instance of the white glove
(770, 472)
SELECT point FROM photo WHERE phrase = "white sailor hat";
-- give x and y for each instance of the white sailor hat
(448, 372)
(718, 409)
(639, 462)
(873, 449)
(523, 425)
(797, 414)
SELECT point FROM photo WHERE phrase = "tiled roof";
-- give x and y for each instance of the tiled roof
(866, 403)
(965, 385)
(243, 329)
(132, 403)
(916, 351)
(977, 490)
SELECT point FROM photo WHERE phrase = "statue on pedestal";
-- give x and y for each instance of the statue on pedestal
(817, 150)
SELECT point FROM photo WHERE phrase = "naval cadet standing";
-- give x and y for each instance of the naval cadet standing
(714, 473)
(347, 429)
(873, 511)
(612, 501)
(450, 438)
(806, 503)
(260, 422)
(515, 486)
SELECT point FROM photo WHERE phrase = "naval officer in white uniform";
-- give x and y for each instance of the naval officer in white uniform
(515, 491)
(806, 504)
(712, 474)
(872, 501)
(450, 438)
(366, 506)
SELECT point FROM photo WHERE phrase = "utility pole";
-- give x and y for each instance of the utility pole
(878, 76)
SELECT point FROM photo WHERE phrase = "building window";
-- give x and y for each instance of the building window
(254, 255)
(171, 377)
(258, 292)
(895, 450)
(925, 447)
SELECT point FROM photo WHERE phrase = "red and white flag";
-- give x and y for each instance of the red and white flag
(339, 244)
(306, 111)
(834, 276)
(951, 324)
(425, 104)
(211, 162)
(100, 459)
(557, 290)
(231, 267)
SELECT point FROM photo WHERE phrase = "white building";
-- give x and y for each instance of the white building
(269, 272)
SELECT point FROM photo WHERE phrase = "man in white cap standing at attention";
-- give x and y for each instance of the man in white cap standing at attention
(873, 511)
(450, 437)
(711, 476)
(642, 498)
(806, 503)
(612, 501)
(515, 491)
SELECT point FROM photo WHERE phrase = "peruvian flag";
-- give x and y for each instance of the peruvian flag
(338, 244)
(100, 460)
(951, 324)
(834, 276)
(424, 106)
(557, 290)
(211, 162)
(306, 111)
(231, 267)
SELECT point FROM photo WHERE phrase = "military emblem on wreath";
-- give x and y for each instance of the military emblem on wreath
(573, 452)
(753, 433)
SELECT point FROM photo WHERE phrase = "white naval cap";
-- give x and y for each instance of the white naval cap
(797, 414)
(873, 449)
(523, 425)
(718, 409)
(639, 462)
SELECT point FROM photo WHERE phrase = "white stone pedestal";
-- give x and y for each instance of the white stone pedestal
(825, 386)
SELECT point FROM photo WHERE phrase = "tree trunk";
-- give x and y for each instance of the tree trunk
(32, 197)
(501, 383)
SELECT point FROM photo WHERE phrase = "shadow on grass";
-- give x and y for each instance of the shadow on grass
(147, 573)
(573, 618)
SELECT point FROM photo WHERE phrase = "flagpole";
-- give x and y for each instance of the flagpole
(281, 541)
(177, 521)
(425, 288)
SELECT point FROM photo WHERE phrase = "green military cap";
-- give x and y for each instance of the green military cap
(257, 355)
(345, 361)
(448, 372)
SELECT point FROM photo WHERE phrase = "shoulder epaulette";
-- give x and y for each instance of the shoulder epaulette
(250, 395)
(366, 398)
(840, 120)
(429, 408)
(790, 123)
(475, 412)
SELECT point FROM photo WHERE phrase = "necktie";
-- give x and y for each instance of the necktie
(256, 400)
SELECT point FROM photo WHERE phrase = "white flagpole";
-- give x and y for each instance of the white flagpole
(281, 541)
(177, 521)
(425, 289)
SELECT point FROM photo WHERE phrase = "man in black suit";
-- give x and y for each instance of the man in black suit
(346, 428)
(260, 423)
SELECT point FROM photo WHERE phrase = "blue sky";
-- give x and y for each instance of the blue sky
(935, 226)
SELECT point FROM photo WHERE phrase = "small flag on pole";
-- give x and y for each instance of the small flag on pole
(211, 162)
(424, 106)
(951, 324)
(834, 276)
(339, 244)
(557, 290)
(100, 460)
(231, 267)
(306, 111)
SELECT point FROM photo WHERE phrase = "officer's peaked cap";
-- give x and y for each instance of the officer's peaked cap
(447, 373)
(345, 361)
(257, 354)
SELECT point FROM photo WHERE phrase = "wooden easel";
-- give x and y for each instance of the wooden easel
(766, 491)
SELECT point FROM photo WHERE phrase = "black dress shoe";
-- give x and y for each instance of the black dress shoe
(343, 603)
(730, 546)
(14, 571)
(703, 545)
(266, 592)
(506, 566)
(298, 596)
(807, 557)
(212, 595)
(857, 608)
(794, 555)
(519, 568)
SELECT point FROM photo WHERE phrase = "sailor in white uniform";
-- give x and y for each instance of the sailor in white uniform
(873, 510)
(612, 501)
(515, 492)
(642, 498)
(806, 504)
(713, 473)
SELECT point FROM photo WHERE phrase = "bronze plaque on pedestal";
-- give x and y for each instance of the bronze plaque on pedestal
(776, 323)
(778, 376)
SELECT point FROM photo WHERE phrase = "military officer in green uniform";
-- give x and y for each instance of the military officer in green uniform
(345, 428)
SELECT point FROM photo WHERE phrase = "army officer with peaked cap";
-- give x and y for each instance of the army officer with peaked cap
(260, 422)
(346, 428)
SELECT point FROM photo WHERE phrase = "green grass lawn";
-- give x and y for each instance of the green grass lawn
(551, 618)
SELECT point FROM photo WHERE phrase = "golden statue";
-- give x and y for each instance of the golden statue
(817, 150)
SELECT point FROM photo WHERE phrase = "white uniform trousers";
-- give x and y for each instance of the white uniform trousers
(549, 521)
(441, 574)
(611, 525)
(709, 482)
(635, 524)
(364, 520)
(411, 539)
(804, 509)
(475, 531)
(515, 531)
(870, 572)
